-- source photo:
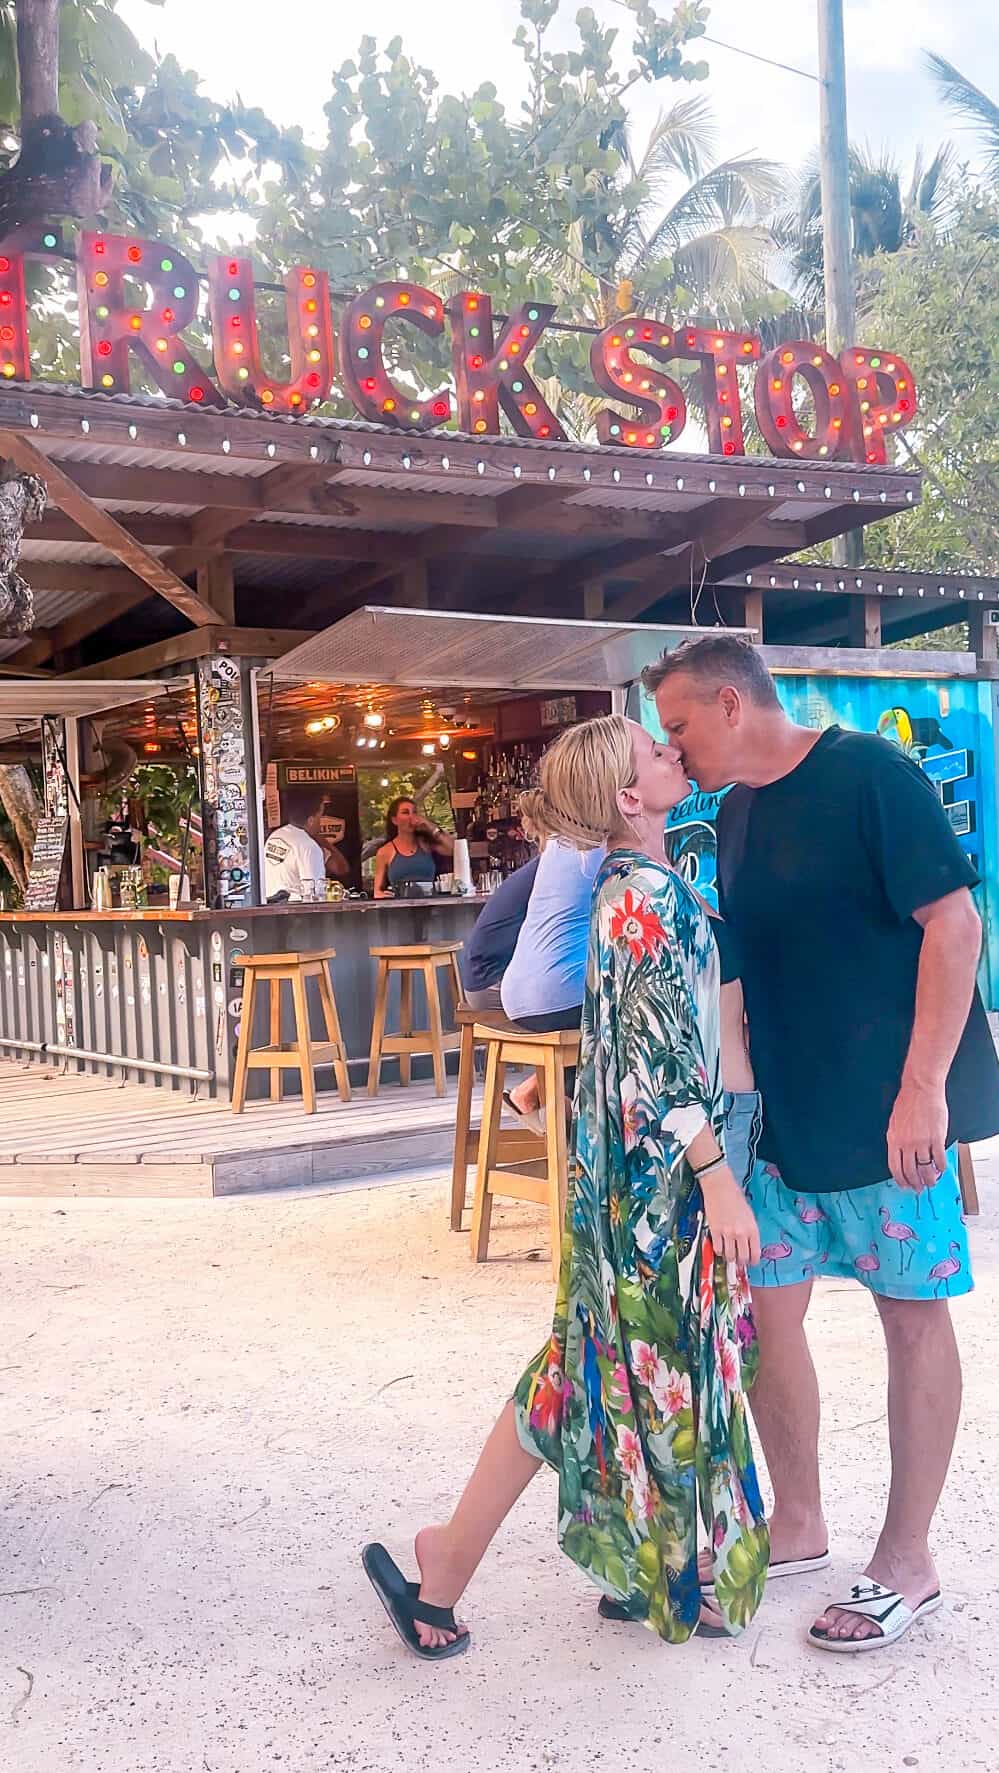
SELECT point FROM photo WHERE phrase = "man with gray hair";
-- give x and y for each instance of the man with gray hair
(850, 899)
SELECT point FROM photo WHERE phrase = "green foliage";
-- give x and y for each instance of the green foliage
(177, 155)
(939, 303)
(166, 792)
(374, 799)
(457, 190)
(887, 214)
(973, 106)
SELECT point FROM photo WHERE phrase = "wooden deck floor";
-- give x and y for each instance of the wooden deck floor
(78, 1135)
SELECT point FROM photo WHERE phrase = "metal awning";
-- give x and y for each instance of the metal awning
(26, 702)
(437, 649)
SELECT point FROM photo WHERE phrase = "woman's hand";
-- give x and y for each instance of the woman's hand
(731, 1220)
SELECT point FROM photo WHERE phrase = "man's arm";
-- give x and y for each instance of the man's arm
(948, 961)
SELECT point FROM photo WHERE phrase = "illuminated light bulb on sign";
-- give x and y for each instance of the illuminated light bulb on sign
(776, 416)
(396, 302)
(154, 332)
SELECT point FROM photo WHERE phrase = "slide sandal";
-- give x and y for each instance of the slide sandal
(890, 1610)
(531, 1117)
(401, 1600)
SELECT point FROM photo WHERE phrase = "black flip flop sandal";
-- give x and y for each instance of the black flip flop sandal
(609, 1609)
(401, 1600)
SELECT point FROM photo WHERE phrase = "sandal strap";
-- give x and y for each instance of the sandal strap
(441, 1617)
(868, 1600)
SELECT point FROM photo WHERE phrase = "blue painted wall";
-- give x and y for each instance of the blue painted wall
(949, 727)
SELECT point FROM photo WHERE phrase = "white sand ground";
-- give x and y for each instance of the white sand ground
(207, 1407)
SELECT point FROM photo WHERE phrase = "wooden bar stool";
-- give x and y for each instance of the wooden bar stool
(517, 1144)
(428, 959)
(303, 1053)
(551, 1055)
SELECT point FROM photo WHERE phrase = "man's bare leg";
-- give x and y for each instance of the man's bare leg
(924, 1407)
(785, 1405)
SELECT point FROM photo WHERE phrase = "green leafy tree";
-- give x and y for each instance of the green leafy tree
(940, 301)
(457, 190)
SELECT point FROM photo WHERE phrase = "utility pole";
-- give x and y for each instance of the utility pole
(837, 245)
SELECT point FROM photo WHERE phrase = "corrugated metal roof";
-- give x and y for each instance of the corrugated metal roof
(432, 649)
(25, 702)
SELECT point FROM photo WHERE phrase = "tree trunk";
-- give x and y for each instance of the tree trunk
(20, 803)
(22, 500)
(58, 171)
(14, 865)
(38, 59)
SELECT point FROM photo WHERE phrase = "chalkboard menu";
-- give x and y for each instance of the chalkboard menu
(42, 893)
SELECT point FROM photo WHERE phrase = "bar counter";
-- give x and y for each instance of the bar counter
(156, 995)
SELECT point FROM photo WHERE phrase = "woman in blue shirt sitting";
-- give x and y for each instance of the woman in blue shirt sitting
(407, 857)
(542, 988)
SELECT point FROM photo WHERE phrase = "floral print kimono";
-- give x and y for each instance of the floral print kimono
(638, 1400)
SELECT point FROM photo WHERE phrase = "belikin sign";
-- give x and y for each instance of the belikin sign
(855, 399)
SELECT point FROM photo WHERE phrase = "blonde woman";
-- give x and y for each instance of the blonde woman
(638, 1399)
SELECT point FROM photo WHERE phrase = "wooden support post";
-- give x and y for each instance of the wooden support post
(863, 621)
(413, 585)
(594, 600)
(217, 586)
(78, 870)
(752, 614)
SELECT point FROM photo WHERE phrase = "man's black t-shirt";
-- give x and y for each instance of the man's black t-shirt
(819, 874)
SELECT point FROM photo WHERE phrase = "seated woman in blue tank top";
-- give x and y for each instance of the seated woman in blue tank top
(407, 857)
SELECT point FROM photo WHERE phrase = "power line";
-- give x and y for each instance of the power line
(766, 59)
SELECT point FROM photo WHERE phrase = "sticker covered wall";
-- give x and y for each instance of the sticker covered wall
(947, 727)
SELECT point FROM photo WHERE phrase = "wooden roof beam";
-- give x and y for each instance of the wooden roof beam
(243, 493)
(105, 529)
(718, 533)
(47, 642)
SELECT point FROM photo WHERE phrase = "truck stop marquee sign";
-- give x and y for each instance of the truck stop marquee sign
(856, 400)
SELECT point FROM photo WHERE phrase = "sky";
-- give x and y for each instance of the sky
(891, 100)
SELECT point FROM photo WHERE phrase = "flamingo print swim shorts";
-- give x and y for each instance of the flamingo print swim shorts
(896, 1243)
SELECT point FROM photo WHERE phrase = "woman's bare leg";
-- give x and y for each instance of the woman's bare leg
(528, 1094)
(449, 1556)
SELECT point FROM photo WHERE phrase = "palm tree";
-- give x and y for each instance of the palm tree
(698, 237)
(698, 241)
(886, 216)
(971, 103)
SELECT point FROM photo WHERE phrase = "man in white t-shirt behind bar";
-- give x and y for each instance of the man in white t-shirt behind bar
(292, 853)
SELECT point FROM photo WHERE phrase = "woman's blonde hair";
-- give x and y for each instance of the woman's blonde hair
(580, 778)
